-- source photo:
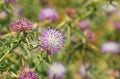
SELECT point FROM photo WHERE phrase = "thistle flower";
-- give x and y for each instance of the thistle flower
(83, 24)
(26, 73)
(56, 71)
(73, 38)
(83, 70)
(52, 39)
(10, 1)
(48, 13)
(110, 46)
(117, 25)
(89, 34)
(70, 11)
(21, 25)
(3, 15)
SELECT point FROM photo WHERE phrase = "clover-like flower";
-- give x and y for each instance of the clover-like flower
(56, 71)
(110, 46)
(26, 73)
(52, 40)
(21, 25)
(48, 13)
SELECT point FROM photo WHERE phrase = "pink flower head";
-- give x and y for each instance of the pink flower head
(89, 34)
(83, 24)
(27, 74)
(48, 13)
(10, 1)
(52, 40)
(56, 71)
(117, 25)
(3, 15)
(21, 25)
(110, 46)
(70, 11)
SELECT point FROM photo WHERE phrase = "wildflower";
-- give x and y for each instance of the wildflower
(56, 71)
(52, 40)
(48, 13)
(89, 34)
(70, 12)
(83, 70)
(10, 1)
(83, 24)
(26, 73)
(110, 46)
(3, 15)
(21, 25)
(117, 25)
(73, 38)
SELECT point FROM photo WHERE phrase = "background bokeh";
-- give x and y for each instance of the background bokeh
(87, 26)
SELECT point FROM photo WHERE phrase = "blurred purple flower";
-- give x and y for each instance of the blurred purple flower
(70, 11)
(83, 70)
(110, 46)
(3, 15)
(21, 25)
(48, 13)
(89, 34)
(56, 71)
(27, 74)
(83, 24)
(52, 40)
(117, 25)
(73, 38)
(10, 1)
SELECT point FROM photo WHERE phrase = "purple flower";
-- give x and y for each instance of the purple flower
(52, 40)
(10, 1)
(117, 25)
(70, 11)
(48, 13)
(27, 74)
(83, 24)
(89, 34)
(83, 70)
(56, 71)
(110, 46)
(3, 15)
(21, 25)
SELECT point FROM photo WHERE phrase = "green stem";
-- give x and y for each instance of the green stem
(61, 24)
(4, 56)
(10, 50)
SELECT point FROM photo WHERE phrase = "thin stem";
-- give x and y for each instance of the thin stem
(61, 24)
(9, 34)
(10, 50)
(4, 56)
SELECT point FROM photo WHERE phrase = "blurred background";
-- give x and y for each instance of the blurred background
(92, 37)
